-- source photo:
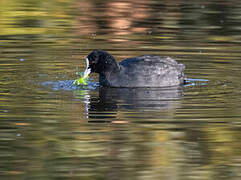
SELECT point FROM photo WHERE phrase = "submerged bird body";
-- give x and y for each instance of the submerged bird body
(141, 71)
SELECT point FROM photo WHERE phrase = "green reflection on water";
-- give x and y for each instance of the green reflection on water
(54, 133)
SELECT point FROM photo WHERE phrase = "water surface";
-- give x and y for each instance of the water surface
(52, 130)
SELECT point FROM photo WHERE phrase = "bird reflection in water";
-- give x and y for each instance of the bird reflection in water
(111, 101)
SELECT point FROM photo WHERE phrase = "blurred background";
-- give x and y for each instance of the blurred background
(52, 130)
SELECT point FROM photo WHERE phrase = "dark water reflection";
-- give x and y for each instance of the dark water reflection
(133, 99)
(50, 129)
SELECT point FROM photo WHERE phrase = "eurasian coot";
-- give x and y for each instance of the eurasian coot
(141, 71)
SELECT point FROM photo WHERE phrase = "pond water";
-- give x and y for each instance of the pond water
(52, 130)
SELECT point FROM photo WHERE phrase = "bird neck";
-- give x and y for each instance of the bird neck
(110, 66)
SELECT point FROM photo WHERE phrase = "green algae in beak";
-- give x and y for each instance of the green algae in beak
(82, 80)
(84, 76)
